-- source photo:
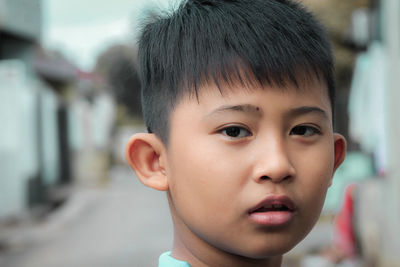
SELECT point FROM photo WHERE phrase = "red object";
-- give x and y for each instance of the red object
(345, 239)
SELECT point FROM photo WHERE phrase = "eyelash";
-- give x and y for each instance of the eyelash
(305, 127)
(239, 130)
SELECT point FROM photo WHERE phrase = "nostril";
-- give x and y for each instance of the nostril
(265, 177)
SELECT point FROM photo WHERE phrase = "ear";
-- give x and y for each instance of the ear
(145, 154)
(339, 143)
(340, 150)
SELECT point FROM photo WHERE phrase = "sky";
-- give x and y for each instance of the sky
(83, 29)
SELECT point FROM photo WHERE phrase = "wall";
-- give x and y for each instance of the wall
(18, 151)
(22, 18)
(391, 202)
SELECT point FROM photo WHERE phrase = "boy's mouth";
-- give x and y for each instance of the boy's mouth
(272, 207)
(274, 203)
(273, 211)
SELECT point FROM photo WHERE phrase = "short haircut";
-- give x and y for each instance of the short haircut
(269, 42)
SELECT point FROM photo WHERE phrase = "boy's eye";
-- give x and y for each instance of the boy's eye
(235, 132)
(305, 130)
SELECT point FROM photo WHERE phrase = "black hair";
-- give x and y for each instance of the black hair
(269, 42)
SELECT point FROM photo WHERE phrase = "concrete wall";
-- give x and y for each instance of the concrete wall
(18, 151)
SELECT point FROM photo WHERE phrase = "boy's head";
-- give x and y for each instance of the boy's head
(239, 97)
(254, 42)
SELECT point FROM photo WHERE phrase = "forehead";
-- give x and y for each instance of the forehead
(304, 88)
(243, 78)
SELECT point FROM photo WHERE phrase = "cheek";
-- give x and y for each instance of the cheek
(315, 175)
(201, 178)
(316, 164)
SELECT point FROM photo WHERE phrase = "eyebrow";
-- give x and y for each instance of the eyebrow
(306, 110)
(246, 108)
(254, 110)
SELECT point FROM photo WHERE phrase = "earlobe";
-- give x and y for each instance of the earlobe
(144, 154)
(340, 150)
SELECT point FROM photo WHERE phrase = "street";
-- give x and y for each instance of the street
(120, 224)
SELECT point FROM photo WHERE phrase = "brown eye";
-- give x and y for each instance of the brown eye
(304, 130)
(235, 132)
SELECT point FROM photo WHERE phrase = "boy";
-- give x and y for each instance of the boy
(237, 97)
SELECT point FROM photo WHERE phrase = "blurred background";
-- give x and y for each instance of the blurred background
(69, 100)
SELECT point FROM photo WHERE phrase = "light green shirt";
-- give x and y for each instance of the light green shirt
(166, 260)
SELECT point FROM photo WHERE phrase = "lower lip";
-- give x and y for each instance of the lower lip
(272, 218)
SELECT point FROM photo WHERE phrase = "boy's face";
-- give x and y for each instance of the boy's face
(248, 170)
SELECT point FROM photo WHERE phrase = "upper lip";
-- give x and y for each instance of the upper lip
(275, 200)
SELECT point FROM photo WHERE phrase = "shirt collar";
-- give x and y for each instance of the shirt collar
(166, 260)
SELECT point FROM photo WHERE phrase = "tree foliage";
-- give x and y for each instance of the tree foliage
(117, 65)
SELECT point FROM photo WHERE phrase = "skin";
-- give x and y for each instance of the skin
(226, 153)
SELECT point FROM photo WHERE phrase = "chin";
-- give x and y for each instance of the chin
(270, 254)
(259, 252)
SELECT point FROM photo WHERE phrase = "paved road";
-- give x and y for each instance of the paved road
(122, 224)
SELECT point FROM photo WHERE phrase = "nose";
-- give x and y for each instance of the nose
(273, 163)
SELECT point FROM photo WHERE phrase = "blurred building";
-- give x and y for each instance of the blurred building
(20, 137)
(374, 124)
(55, 121)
